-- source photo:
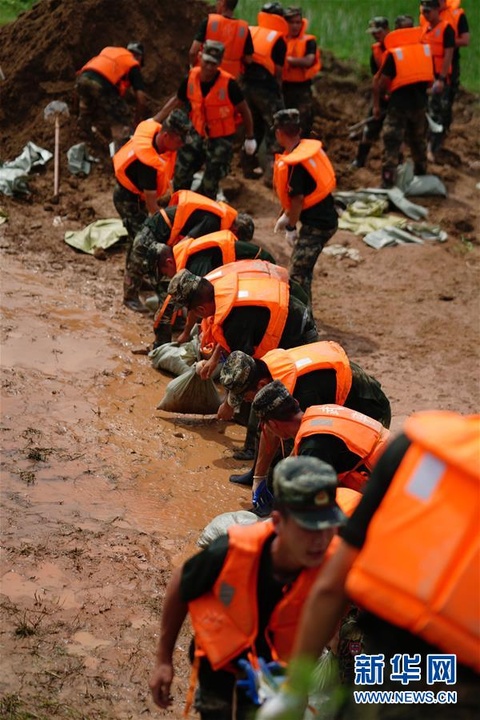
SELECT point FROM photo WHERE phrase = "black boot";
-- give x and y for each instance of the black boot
(248, 450)
(243, 479)
(362, 154)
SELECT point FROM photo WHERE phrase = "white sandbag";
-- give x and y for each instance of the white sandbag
(175, 358)
(188, 393)
(220, 524)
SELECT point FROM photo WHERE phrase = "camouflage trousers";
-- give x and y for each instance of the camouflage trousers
(308, 246)
(133, 212)
(299, 95)
(404, 125)
(97, 106)
(373, 128)
(440, 110)
(138, 264)
(263, 104)
(214, 154)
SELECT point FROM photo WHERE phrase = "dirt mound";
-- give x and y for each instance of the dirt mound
(45, 46)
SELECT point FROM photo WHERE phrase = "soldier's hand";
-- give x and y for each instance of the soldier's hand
(291, 236)
(160, 683)
(225, 411)
(281, 223)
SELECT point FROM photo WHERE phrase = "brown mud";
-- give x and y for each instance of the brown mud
(102, 493)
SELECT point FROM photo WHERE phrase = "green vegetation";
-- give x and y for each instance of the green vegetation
(9, 9)
(340, 27)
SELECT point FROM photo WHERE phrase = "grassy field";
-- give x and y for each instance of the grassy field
(340, 26)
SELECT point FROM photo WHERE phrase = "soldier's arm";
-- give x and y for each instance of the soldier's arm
(173, 616)
(171, 104)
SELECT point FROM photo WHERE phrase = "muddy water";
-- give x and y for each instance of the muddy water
(79, 409)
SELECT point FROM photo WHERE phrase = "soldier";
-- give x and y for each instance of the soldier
(253, 581)
(304, 180)
(315, 374)
(348, 440)
(247, 304)
(188, 215)
(232, 32)
(440, 36)
(417, 593)
(200, 256)
(406, 72)
(215, 98)
(263, 79)
(302, 63)
(101, 86)
(143, 171)
(378, 27)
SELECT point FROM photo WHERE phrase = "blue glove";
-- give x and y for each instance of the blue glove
(262, 500)
(250, 682)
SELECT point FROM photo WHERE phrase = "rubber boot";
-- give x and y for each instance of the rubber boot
(388, 178)
(362, 154)
(243, 479)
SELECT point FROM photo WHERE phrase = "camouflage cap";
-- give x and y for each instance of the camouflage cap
(243, 227)
(292, 11)
(291, 116)
(179, 123)
(273, 401)
(307, 487)
(404, 21)
(377, 24)
(213, 51)
(273, 8)
(429, 3)
(182, 287)
(235, 375)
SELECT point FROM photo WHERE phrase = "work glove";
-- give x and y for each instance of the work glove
(250, 146)
(284, 706)
(281, 223)
(291, 236)
(262, 500)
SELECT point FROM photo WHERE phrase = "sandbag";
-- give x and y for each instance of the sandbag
(220, 524)
(175, 358)
(188, 393)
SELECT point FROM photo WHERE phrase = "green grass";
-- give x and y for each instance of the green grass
(9, 9)
(340, 26)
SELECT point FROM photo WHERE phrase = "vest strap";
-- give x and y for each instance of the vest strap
(166, 218)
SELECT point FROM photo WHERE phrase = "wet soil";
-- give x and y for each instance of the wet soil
(102, 493)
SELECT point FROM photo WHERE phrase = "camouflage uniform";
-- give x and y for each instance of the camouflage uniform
(308, 246)
(409, 125)
(214, 153)
(264, 102)
(99, 104)
(133, 212)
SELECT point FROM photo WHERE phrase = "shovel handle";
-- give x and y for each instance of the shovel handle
(56, 158)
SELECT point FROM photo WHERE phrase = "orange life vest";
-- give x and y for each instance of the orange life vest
(264, 36)
(412, 62)
(213, 115)
(225, 620)
(233, 34)
(362, 435)
(254, 283)
(114, 64)
(308, 153)
(451, 13)
(224, 240)
(419, 566)
(140, 147)
(288, 365)
(296, 47)
(434, 38)
(187, 201)
(378, 52)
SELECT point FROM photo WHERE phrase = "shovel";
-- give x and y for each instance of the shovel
(53, 112)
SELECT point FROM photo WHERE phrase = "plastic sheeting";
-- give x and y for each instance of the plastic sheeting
(14, 174)
(101, 234)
